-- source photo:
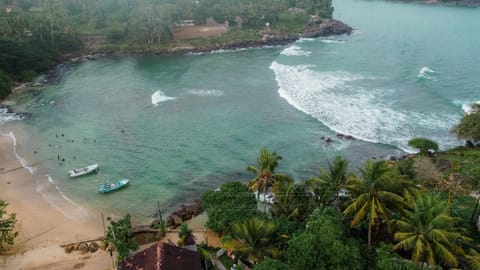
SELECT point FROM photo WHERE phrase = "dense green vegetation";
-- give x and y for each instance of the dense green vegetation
(119, 234)
(423, 144)
(406, 215)
(7, 227)
(34, 34)
(469, 126)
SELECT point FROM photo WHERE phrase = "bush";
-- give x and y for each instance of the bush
(469, 126)
(324, 245)
(232, 203)
(423, 144)
(7, 227)
(271, 264)
(5, 85)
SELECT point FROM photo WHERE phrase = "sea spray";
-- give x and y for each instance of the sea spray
(295, 51)
(426, 73)
(159, 96)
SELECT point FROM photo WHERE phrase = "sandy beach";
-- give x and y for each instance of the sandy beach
(42, 228)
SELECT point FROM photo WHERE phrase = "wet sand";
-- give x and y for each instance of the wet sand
(42, 228)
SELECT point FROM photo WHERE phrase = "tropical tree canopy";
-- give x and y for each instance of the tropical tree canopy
(120, 235)
(256, 238)
(264, 171)
(5, 85)
(469, 126)
(386, 259)
(374, 196)
(330, 182)
(423, 144)
(7, 227)
(232, 203)
(292, 201)
(324, 245)
(271, 264)
(429, 233)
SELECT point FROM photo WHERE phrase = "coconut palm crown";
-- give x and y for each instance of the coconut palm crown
(374, 196)
(265, 175)
(428, 231)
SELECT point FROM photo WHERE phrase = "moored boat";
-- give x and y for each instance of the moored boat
(83, 171)
(107, 187)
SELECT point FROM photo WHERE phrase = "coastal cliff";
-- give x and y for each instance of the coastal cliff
(313, 29)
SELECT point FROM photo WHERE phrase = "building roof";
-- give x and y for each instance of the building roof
(163, 256)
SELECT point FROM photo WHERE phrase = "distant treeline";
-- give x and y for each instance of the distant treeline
(33, 33)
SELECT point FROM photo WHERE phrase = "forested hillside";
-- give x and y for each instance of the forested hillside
(34, 33)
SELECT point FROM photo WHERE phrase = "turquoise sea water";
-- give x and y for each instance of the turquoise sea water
(177, 126)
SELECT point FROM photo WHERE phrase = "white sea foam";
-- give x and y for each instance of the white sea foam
(335, 99)
(159, 96)
(467, 106)
(426, 73)
(221, 51)
(332, 41)
(5, 116)
(31, 169)
(206, 92)
(356, 32)
(66, 206)
(300, 40)
(294, 50)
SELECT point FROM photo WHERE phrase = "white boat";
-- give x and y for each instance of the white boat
(83, 171)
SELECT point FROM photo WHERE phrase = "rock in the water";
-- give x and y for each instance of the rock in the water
(327, 27)
(328, 140)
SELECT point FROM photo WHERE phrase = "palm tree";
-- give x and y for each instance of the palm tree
(255, 238)
(373, 196)
(429, 232)
(292, 200)
(329, 184)
(265, 177)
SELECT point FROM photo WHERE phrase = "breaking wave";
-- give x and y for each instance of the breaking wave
(426, 73)
(6, 116)
(467, 107)
(332, 41)
(159, 96)
(294, 51)
(336, 100)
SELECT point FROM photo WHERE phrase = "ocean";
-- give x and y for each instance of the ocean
(179, 125)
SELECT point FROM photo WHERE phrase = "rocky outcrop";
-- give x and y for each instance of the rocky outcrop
(325, 28)
(186, 212)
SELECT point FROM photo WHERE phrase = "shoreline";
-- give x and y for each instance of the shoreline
(313, 29)
(461, 3)
(42, 228)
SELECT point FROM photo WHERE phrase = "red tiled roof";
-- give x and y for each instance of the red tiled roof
(163, 256)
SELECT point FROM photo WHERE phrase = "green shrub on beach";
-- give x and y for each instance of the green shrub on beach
(120, 235)
(7, 227)
(423, 144)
